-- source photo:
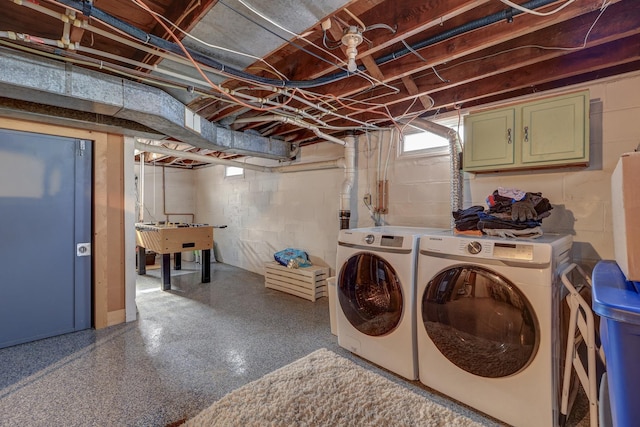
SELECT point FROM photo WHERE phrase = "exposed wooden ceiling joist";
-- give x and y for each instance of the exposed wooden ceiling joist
(443, 69)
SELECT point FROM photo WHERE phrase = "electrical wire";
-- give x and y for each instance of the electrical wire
(171, 47)
(93, 63)
(410, 49)
(379, 26)
(135, 33)
(359, 72)
(212, 46)
(603, 8)
(297, 46)
(355, 18)
(223, 91)
(143, 77)
(416, 53)
(535, 12)
(325, 40)
(439, 76)
(234, 73)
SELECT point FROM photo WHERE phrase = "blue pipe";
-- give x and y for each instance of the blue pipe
(473, 25)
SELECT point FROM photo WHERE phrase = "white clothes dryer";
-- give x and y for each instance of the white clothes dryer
(375, 287)
(488, 323)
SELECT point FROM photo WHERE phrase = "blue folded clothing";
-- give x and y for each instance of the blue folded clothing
(292, 257)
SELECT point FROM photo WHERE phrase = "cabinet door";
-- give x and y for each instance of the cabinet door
(489, 140)
(555, 131)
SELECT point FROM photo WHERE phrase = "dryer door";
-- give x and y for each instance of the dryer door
(480, 321)
(370, 294)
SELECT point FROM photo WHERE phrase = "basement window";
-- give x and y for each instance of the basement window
(233, 171)
(423, 143)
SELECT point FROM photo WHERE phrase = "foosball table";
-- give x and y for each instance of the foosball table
(174, 238)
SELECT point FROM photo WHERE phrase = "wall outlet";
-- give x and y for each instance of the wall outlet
(367, 199)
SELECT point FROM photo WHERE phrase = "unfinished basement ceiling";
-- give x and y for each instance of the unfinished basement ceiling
(279, 69)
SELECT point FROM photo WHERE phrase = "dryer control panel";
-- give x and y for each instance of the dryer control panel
(391, 241)
(537, 252)
(513, 251)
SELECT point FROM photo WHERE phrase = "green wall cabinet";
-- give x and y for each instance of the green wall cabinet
(549, 132)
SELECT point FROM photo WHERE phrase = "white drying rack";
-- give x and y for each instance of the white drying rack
(580, 317)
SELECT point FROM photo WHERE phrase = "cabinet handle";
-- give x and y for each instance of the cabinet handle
(526, 134)
(509, 136)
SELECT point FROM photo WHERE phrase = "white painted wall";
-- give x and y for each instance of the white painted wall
(269, 212)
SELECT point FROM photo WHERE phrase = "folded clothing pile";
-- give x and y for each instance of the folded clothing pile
(511, 213)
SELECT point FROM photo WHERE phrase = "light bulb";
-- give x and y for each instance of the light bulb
(351, 65)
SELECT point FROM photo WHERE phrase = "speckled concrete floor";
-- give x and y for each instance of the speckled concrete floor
(189, 347)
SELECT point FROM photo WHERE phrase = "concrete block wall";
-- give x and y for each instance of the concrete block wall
(581, 196)
(419, 188)
(268, 212)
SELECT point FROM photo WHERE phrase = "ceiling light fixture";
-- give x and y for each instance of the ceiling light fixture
(351, 38)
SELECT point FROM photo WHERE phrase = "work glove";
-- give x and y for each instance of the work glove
(523, 210)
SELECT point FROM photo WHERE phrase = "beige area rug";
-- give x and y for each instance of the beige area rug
(324, 389)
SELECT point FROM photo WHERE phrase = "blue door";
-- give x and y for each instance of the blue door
(45, 213)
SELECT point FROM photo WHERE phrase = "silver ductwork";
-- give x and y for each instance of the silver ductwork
(455, 149)
(49, 82)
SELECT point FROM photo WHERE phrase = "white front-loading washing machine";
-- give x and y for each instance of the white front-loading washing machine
(375, 287)
(488, 323)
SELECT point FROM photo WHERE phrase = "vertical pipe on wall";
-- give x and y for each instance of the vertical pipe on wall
(141, 189)
(347, 185)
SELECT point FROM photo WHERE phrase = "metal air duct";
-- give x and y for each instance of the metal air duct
(44, 81)
(454, 151)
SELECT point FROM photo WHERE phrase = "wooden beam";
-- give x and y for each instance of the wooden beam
(620, 20)
(411, 17)
(372, 68)
(526, 80)
(425, 100)
(459, 47)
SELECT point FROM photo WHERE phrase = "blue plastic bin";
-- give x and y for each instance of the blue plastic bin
(617, 301)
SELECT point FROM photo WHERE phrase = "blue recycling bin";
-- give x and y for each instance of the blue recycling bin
(617, 301)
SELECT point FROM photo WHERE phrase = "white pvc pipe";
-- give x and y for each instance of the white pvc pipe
(291, 120)
(300, 167)
(327, 164)
(197, 157)
(141, 188)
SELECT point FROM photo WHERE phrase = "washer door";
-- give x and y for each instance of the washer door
(480, 321)
(370, 294)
